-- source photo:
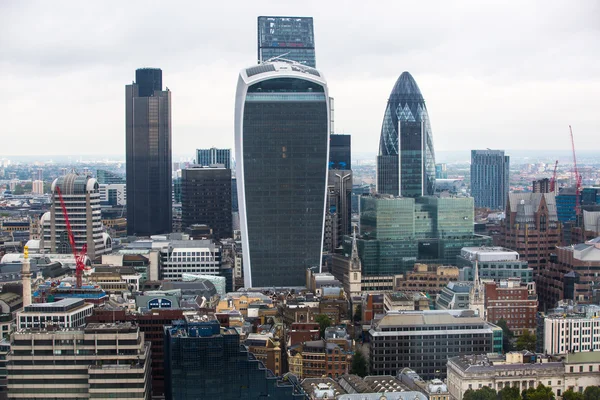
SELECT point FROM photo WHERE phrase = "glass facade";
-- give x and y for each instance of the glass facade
(292, 38)
(284, 155)
(212, 156)
(340, 152)
(148, 159)
(490, 178)
(406, 161)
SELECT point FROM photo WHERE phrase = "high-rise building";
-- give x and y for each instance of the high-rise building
(37, 187)
(206, 199)
(406, 161)
(107, 177)
(148, 154)
(441, 171)
(490, 178)
(281, 145)
(541, 186)
(205, 361)
(98, 361)
(291, 38)
(213, 156)
(340, 156)
(82, 201)
(339, 208)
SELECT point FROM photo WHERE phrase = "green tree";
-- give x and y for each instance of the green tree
(591, 393)
(571, 395)
(485, 393)
(507, 336)
(324, 322)
(358, 313)
(526, 341)
(540, 393)
(509, 393)
(359, 365)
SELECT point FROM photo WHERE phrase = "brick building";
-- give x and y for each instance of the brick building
(266, 348)
(316, 359)
(302, 332)
(514, 302)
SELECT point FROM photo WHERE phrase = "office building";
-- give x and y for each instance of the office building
(290, 38)
(425, 340)
(570, 274)
(213, 156)
(148, 154)
(205, 361)
(206, 199)
(570, 329)
(106, 177)
(179, 257)
(494, 263)
(113, 194)
(406, 161)
(441, 171)
(281, 144)
(430, 279)
(338, 215)
(455, 296)
(514, 302)
(522, 370)
(532, 229)
(340, 152)
(65, 313)
(541, 186)
(81, 196)
(95, 361)
(490, 175)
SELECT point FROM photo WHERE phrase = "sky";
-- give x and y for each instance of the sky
(494, 74)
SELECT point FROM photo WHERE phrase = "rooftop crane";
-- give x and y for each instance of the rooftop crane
(553, 180)
(577, 176)
(79, 256)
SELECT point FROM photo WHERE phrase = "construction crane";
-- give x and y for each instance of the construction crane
(79, 256)
(553, 180)
(577, 176)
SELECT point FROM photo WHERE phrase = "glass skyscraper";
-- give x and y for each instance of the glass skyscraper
(490, 178)
(406, 161)
(340, 156)
(212, 156)
(148, 154)
(282, 154)
(292, 38)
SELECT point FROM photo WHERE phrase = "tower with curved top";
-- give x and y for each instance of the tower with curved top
(406, 160)
(282, 154)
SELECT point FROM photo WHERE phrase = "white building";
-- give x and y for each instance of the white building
(113, 193)
(37, 187)
(569, 333)
(66, 313)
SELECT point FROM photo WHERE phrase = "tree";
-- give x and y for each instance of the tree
(358, 313)
(509, 393)
(507, 336)
(526, 341)
(359, 364)
(324, 322)
(591, 393)
(540, 393)
(571, 395)
(485, 393)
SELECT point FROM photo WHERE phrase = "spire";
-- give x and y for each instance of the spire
(355, 260)
(477, 293)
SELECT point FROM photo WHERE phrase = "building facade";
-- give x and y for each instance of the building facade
(428, 279)
(65, 313)
(291, 38)
(148, 154)
(495, 263)
(567, 330)
(81, 196)
(514, 302)
(106, 177)
(282, 154)
(206, 199)
(425, 340)
(406, 161)
(213, 156)
(340, 155)
(490, 178)
(338, 215)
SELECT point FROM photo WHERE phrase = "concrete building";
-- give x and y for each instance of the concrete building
(113, 194)
(82, 201)
(494, 263)
(95, 361)
(490, 171)
(37, 187)
(66, 313)
(514, 302)
(430, 279)
(405, 301)
(571, 274)
(571, 330)
(424, 340)
(455, 296)
(523, 370)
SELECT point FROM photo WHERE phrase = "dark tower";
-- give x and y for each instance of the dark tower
(406, 161)
(148, 154)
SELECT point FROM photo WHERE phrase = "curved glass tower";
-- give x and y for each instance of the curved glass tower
(282, 153)
(406, 161)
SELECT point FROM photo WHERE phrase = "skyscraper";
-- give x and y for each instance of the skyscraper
(282, 152)
(406, 161)
(340, 156)
(148, 158)
(292, 38)
(212, 156)
(489, 178)
(206, 199)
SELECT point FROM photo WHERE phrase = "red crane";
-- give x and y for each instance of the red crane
(79, 256)
(577, 176)
(553, 180)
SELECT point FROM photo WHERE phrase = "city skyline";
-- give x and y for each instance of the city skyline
(522, 86)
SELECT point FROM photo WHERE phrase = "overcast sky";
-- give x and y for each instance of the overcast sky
(497, 74)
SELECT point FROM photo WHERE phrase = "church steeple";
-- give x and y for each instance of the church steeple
(477, 293)
(355, 260)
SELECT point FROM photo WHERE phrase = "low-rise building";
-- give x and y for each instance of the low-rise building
(455, 296)
(405, 301)
(430, 279)
(267, 349)
(317, 358)
(571, 330)
(302, 332)
(436, 389)
(495, 263)
(512, 301)
(66, 313)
